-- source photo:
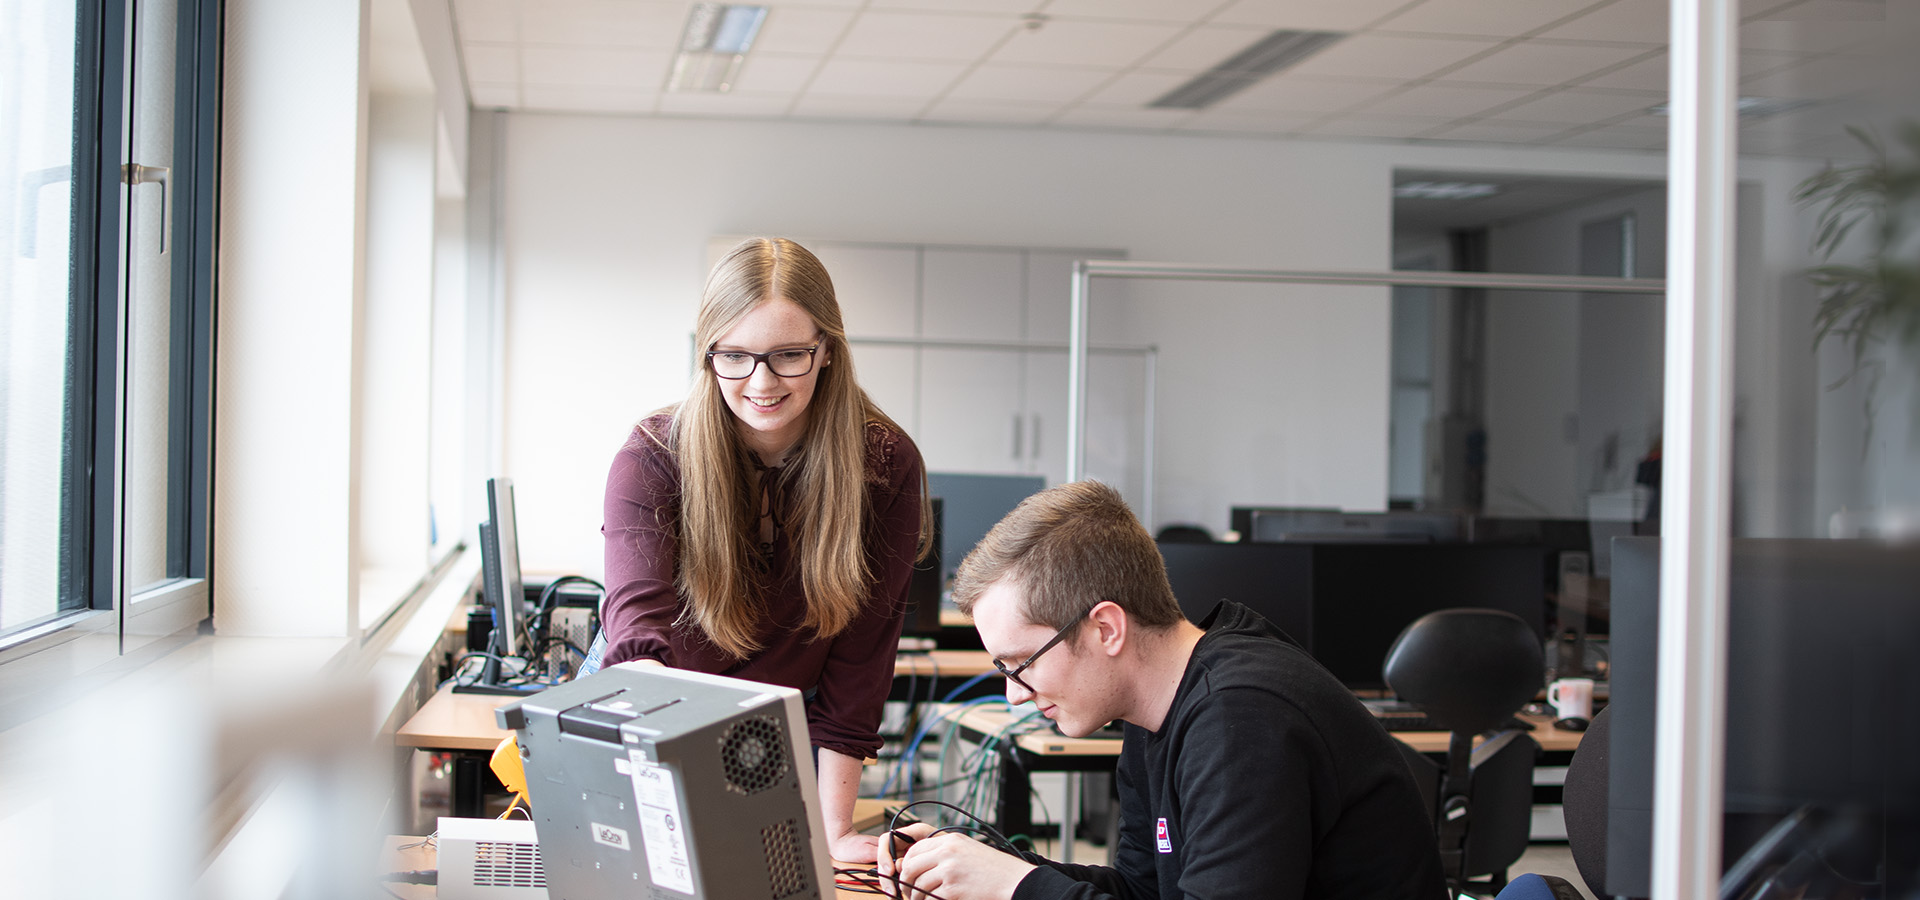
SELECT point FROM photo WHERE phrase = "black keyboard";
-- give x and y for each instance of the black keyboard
(1417, 721)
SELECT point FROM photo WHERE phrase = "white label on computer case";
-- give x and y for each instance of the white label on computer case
(621, 766)
(662, 824)
(610, 836)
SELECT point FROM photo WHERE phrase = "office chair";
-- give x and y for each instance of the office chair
(1470, 670)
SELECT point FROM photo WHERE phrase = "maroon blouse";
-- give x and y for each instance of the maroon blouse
(853, 671)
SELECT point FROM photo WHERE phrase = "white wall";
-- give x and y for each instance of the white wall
(1270, 395)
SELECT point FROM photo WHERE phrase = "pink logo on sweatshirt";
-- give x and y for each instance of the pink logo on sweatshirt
(1160, 839)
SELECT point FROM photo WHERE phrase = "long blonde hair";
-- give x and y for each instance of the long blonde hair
(829, 515)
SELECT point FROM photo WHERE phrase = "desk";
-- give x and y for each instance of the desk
(1041, 749)
(463, 725)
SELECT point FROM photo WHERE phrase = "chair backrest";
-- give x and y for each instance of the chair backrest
(1583, 799)
(1469, 670)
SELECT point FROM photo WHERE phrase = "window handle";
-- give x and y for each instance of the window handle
(30, 185)
(137, 174)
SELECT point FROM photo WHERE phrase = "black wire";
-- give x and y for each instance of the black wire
(985, 828)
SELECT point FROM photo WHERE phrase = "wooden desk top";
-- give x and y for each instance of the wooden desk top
(450, 721)
(1043, 741)
(943, 663)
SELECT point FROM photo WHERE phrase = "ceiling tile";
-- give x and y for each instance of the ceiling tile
(772, 74)
(1137, 88)
(1543, 64)
(1630, 21)
(647, 24)
(1301, 94)
(733, 103)
(1827, 76)
(1034, 84)
(495, 63)
(816, 105)
(487, 20)
(1391, 56)
(575, 99)
(1012, 7)
(1578, 106)
(924, 36)
(870, 78)
(595, 67)
(1807, 37)
(495, 96)
(1492, 18)
(1088, 115)
(1078, 43)
(801, 30)
(1205, 47)
(1347, 15)
(1645, 75)
(989, 113)
(1489, 130)
(1394, 127)
(1246, 121)
(1177, 11)
(1446, 100)
(1616, 138)
(1828, 11)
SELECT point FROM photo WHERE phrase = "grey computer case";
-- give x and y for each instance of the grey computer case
(651, 782)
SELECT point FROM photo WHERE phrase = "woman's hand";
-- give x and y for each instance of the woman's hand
(854, 847)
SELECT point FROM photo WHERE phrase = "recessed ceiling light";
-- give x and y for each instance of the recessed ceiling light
(714, 45)
(1280, 50)
(1444, 190)
(1750, 107)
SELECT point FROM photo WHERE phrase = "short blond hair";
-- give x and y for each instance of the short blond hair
(1067, 548)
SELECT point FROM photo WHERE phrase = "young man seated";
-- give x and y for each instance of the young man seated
(1247, 769)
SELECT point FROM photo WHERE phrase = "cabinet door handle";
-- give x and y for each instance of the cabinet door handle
(1017, 442)
(1036, 436)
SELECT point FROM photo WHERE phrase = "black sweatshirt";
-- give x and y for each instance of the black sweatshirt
(1267, 779)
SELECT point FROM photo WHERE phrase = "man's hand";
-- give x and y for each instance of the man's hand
(946, 866)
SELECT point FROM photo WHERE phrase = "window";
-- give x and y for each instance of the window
(106, 217)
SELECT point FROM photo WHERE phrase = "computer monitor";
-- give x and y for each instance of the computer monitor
(971, 506)
(1820, 688)
(924, 585)
(1274, 580)
(652, 782)
(501, 590)
(1333, 526)
(1364, 595)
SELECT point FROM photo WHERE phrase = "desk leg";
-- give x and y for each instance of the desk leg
(1013, 811)
(469, 793)
(1069, 817)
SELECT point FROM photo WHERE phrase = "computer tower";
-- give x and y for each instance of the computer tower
(662, 783)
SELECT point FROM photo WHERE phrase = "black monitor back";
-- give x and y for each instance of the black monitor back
(1274, 580)
(1345, 603)
(1820, 689)
(1366, 594)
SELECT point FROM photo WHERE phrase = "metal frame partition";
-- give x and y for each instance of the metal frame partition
(1084, 271)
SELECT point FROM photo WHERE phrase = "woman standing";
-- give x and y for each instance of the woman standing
(765, 528)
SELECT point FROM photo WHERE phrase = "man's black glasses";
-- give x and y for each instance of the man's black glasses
(1013, 674)
(734, 365)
